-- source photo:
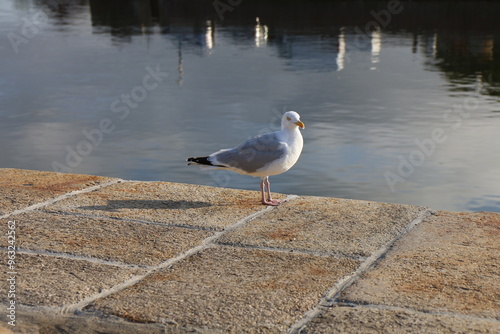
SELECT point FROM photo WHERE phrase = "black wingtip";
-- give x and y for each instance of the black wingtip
(200, 160)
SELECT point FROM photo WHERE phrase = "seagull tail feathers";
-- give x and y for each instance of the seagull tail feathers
(201, 161)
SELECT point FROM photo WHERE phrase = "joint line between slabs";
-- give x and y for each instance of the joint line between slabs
(294, 251)
(60, 198)
(330, 297)
(385, 307)
(49, 253)
(205, 244)
(130, 220)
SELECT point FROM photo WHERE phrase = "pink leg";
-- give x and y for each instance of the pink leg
(266, 184)
(262, 191)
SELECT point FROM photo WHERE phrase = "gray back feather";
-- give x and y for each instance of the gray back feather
(252, 154)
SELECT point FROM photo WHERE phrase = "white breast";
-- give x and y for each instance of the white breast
(294, 141)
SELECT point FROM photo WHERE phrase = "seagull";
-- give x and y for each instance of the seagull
(262, 156)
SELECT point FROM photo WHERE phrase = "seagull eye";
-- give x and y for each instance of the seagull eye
(288, 118)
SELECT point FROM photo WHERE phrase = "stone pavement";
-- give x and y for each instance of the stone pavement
(102, 255)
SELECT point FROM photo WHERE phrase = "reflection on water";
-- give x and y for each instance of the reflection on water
(400, 103)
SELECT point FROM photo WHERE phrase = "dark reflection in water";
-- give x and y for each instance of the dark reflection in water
(400, 99)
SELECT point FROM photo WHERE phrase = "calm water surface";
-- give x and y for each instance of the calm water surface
(404, 110)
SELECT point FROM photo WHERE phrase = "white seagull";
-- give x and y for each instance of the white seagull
(262, 156)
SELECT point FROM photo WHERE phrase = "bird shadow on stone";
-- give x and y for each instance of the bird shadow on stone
(114, 205)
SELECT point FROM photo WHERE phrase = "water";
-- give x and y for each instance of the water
(404, 109)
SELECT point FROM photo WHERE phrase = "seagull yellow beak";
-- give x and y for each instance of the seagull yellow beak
(300, 124)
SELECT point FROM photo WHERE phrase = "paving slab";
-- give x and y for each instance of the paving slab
(22, 188)
(262, 275)
(448, 263)
(129, 242)
(231, 290)
(170, 203)
(51, 281)
(327, 225)
(45, 321)
(5, 330)
(361, 319)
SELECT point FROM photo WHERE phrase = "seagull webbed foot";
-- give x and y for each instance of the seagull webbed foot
(272, 202)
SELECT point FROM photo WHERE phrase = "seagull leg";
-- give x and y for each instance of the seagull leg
(266, 184)
(262, 191)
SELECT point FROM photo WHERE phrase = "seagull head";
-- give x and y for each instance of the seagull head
(291, 120)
